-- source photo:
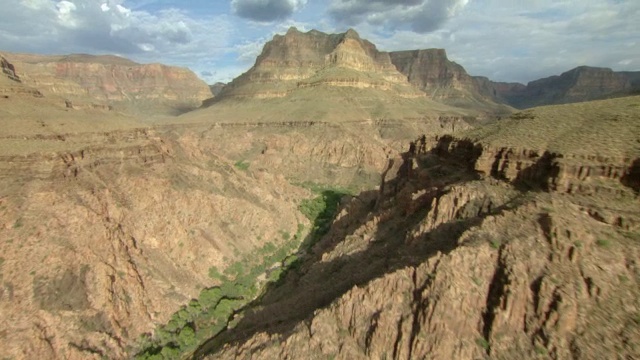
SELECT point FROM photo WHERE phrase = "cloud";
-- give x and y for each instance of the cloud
(168, 35)
(422, 16)
(509, 41)
(266, 10)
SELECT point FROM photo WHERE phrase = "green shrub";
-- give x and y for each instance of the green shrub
(215, 274)
(483, 343)
(242, 165)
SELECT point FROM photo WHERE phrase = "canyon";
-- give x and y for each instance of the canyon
(334, 201)
(110, 81)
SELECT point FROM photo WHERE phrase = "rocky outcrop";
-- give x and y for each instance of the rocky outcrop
(583, 83)
(432, 72)
(111, 80)
(91, 258)
(217, 88)
(446, 81)
(441, 79)
(434, 266)
(9, 69)
(299, 59)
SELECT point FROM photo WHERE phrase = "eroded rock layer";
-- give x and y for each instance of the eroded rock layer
(110, 80)
(299, 59)
(460, 256)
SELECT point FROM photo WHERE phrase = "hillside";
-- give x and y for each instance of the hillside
(433, 265)
(334, 78)
(583, 83)
(334, 201)
(105, 80)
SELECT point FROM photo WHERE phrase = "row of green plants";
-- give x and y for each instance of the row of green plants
(210, 313)
(216, 306)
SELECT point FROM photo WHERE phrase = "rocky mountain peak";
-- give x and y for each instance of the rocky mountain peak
(351, 34)
(303, 59)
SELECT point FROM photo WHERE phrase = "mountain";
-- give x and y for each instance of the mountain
(299, 60)
(287, 219)
(514, 241)
(112, 81)
(583, 83)
(446, 81)
(315, 76)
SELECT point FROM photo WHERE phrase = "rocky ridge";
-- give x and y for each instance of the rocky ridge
(91, 260)
(441, 79)
(431, 267)
(475, 249)
(299, 60)
(110, 80)
(583, 83)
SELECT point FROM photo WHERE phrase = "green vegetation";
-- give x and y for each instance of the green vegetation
(523, 115)
(541, 350)
(17, 224)
(495, 244)
(206, 316)
(483, 343)
(215, 307)
(321, 210)
(242, 165)
(603, 243)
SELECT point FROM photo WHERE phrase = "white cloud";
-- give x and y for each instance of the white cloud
(66, 11)
(510, 41)
(112, 26)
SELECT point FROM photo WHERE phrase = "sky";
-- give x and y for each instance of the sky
(505, 40)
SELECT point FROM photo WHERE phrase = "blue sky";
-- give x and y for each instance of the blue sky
(504, 40)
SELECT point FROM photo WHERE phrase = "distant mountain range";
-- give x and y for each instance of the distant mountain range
(109, 81)
(320, 75)
(299, 59)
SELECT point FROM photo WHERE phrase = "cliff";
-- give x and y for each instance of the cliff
(110, 80)
(438, 269)
(298, 60)
(217, 88)
(583, 83)
(473, 250)
(446, 81)
(318, 77)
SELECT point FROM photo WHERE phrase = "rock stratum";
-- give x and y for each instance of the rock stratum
(299, 226)
(315, 76)
(446, 81)
(583, 83)
(475, 249)
(112, 81)
(302, 60)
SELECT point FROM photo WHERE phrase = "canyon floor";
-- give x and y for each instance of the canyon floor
(169, 237)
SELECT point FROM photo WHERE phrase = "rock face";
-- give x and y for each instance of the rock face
(583, 83)
(470, 252)
(9, 69)
(318, 77)
(432, 72)
(448, 82)
(299, 60)
(106, 236)
(110, 80)
(437, 270)
(217, 88)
